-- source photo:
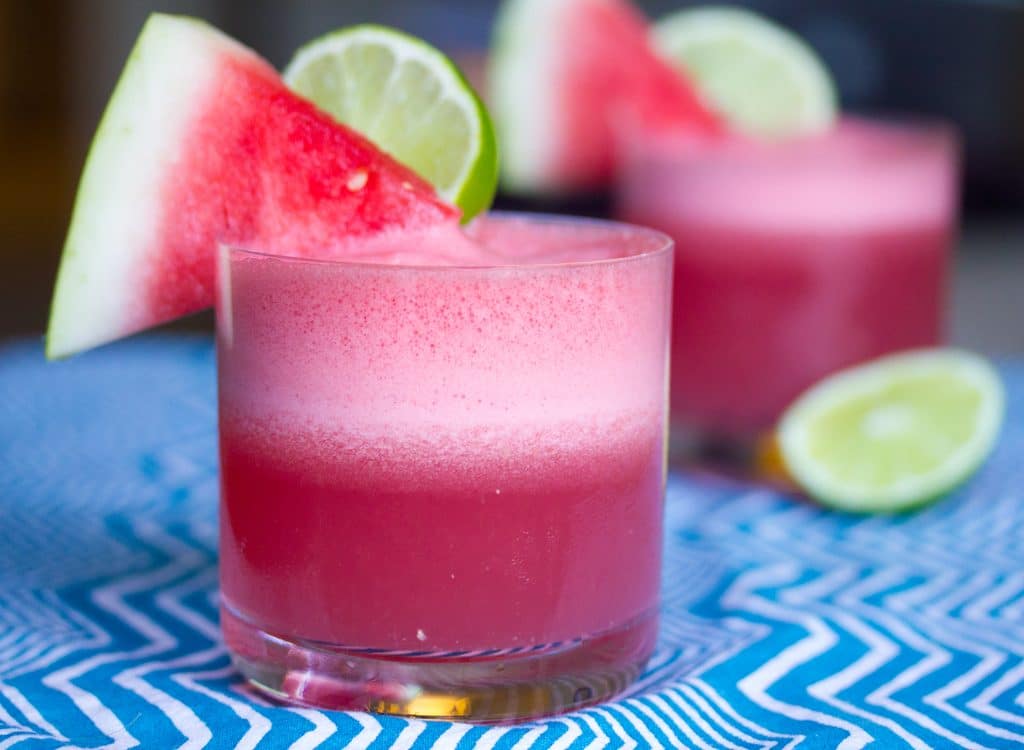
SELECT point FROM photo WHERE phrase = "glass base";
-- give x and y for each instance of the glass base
(485, 687)
(753, 457)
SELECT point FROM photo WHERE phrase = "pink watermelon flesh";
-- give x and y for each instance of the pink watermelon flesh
(613, 81)
(265, 169)
(230, 156)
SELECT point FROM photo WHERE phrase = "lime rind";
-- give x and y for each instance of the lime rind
(833, 485)
(408, 98)
(767, 80)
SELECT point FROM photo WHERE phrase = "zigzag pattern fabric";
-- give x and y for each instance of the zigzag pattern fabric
(785, 626)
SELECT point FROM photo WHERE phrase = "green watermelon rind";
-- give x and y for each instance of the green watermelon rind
(118, 202)
(478, 183)
(523, 91)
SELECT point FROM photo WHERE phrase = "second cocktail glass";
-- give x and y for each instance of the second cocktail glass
(793, 260)
(442, 487)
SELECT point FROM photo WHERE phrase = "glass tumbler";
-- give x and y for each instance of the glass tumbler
(443, 487)
(793, 260)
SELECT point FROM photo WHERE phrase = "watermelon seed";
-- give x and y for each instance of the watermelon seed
(358, 180)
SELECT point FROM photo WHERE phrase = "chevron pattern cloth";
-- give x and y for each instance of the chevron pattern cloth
(784, 625)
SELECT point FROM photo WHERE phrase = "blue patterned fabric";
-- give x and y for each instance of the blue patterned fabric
(784, 625)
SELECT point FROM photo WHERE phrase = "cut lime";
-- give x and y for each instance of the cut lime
(894, 433)
(766, 80)
(411, 101)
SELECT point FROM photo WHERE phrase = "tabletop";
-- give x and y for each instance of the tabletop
(783, 625)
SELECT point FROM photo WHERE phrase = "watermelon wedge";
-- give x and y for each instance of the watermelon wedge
(203, 143)
(565, 75)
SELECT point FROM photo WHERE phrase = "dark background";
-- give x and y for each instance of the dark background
(958, 59)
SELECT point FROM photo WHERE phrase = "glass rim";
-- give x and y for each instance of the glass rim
(660, 244)
(921, 133)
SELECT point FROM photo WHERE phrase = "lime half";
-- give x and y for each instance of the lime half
(766, 80)
(894, 433)
(411, 101)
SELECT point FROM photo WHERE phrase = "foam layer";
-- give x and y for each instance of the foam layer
(382, 351)
(860, 176)
(489, 241)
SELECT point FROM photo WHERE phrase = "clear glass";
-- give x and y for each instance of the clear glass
(442, 487)
(792, 260)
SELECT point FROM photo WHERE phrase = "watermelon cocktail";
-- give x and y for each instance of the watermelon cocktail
(442, 434)
(805, 242)
(794, 260)
(442, 485)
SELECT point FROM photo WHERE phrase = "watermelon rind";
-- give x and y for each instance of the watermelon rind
(523, 90)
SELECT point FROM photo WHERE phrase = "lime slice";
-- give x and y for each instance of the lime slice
(894, 433)
(411, 101)
(766, 80)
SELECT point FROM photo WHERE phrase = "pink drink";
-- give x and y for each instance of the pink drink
(794, 260)
(446, 478)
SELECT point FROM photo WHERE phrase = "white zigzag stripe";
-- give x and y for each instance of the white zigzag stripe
(638, 726)
(490, 738)
(678, 723)
(705, 709)
(880, 648)
(1013, 612)
(948, 582)
(111, 598)
(323, 729)
(451, 737)
(824, 586)
(370, 729)
(600, 738)
(259, 725)
(990, 662)
(19, 737)
(528, 738)
(26, 653)
(965, 591)
(982, 609)
(18, 732)
(169, 603)
(983, 701)
(196, 733)
(962, 594)
(880, 651)
(933, 660)
(408, 735)
(819, 639)
(572, 733)
(628, 743)
(49, 609)
(722, 705)
(9, 643)
(30, 712)
(671, 702)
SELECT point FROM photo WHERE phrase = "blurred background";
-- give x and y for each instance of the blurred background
(958, 59)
